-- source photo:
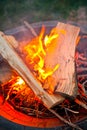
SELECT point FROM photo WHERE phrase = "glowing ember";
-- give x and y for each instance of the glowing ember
(20, 81)
(36, 52)
(15, 84)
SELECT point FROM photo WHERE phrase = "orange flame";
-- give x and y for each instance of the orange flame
(19, 83)
(77, 40)
(36, 53)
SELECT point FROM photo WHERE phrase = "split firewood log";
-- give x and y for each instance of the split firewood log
(63, 53)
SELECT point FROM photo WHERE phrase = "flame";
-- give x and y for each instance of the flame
(77, 40)
(19, 81)
(53, 35)
(15, 84)
(36, 53)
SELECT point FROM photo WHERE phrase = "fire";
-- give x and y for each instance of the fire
(15, 84)
(19, 94)
(36, 52)
(19, 81)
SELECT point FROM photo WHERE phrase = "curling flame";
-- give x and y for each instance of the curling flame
(36, 53)
(48, 39)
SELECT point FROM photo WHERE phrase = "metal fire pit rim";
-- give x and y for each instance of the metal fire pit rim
(46, 23)
(50, 24)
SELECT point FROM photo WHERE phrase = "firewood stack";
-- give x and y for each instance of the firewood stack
(65, 84)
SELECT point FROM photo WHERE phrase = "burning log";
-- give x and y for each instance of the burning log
(64, 55)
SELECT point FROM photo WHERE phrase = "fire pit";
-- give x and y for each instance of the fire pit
(7, 109)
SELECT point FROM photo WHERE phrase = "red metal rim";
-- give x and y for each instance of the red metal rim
(8, 112)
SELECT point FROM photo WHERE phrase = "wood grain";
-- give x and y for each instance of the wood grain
(14, 60)
(63, 54)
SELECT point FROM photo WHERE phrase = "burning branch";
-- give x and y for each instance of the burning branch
(64, 120)
(31, 28)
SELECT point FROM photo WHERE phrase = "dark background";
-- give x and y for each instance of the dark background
(14, 12)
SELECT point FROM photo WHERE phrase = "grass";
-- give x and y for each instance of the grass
(12, 13)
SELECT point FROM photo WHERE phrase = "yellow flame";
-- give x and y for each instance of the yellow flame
(45, 73)
(20, 81)
(36, 53)
(18, 84)
(48, 39)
